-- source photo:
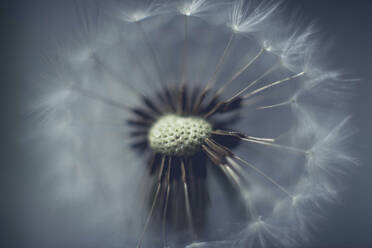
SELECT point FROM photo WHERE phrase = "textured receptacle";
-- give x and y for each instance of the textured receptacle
(180, 136)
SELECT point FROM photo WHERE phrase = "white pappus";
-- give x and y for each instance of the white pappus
(190, 123)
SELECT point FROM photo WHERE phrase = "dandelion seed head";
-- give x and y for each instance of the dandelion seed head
(183, 132)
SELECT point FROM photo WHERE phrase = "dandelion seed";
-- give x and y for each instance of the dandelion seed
(221, 137)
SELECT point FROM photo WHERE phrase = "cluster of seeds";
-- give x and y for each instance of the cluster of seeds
(178, 136)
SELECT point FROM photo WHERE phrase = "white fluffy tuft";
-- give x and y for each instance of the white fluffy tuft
(247, 18)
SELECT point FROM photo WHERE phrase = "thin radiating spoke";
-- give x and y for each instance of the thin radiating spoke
(185, 49)
(262, 174)
(187, 200)
(222, 157)
(212, 156)
(275, 105)
(101, 98)
(237, 74)
(181, 99)
(241, 71)
(230, 162)
(160, 175)
(166, 202)
(237, 95)
(289, 148)
(240, 135)
(233, 176)
(115, 76)
(152, 53)
(271, 69)
(212, 80)
(273, 84)
(258, 140)
(221, 61)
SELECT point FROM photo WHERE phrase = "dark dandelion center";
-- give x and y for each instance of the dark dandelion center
(177, 127)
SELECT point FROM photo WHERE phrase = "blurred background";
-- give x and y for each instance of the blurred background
(346, 23)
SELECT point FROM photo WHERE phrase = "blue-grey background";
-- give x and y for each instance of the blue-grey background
(346, 22)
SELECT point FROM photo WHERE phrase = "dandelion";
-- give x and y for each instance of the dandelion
(193, 123)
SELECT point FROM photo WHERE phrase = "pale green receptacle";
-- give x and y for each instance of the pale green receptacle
(177, 135)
